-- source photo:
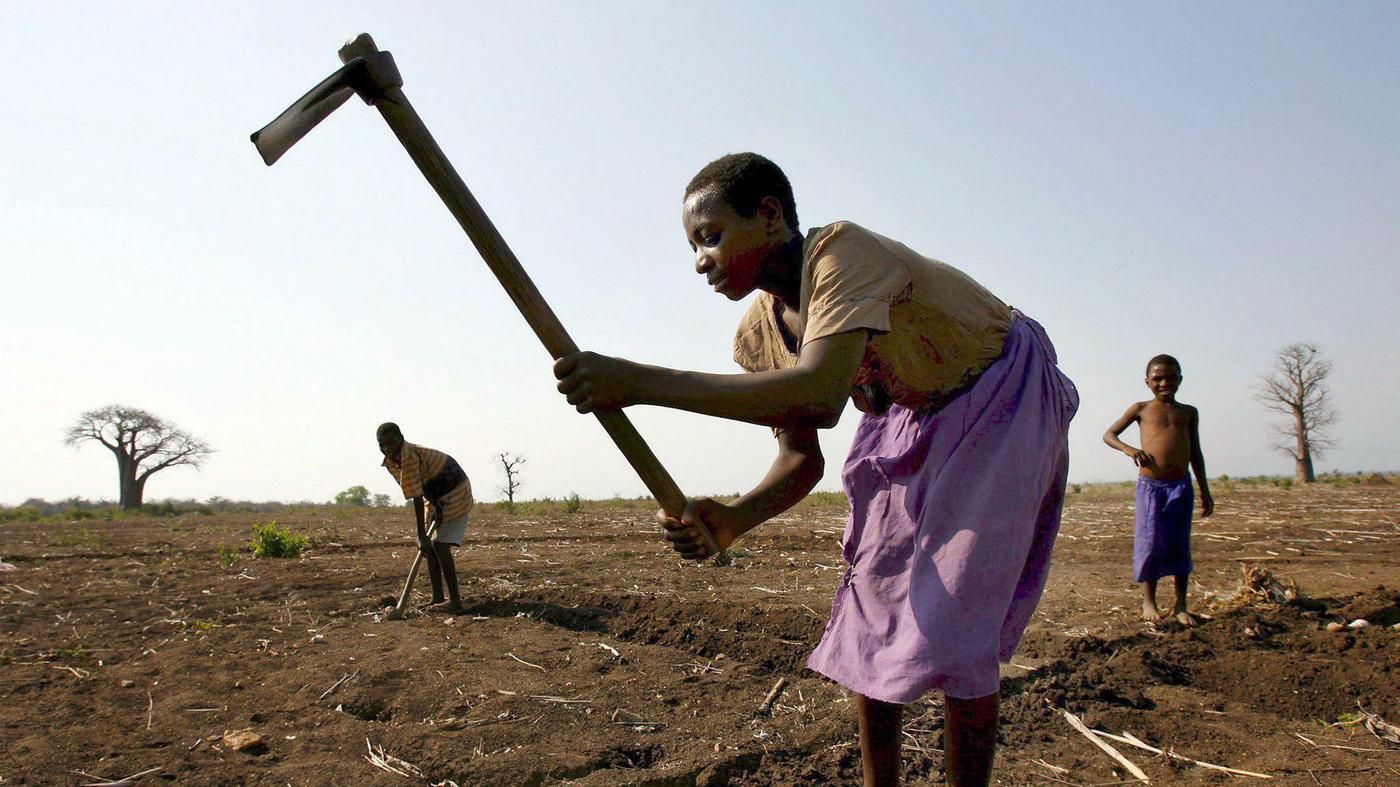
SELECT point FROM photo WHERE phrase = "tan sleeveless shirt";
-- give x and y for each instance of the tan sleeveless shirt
(933, 329)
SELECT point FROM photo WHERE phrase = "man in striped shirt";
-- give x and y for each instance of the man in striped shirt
(423, 473)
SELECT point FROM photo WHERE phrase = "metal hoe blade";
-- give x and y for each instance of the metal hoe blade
(366, 76)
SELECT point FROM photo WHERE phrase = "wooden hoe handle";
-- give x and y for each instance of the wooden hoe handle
(431, 161)
(413, 574)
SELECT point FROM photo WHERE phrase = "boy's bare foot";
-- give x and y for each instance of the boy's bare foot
(450, 607)
(1185, 618)
(1150, 612)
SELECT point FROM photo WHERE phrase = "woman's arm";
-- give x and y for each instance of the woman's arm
(811, 394)
(797, 468)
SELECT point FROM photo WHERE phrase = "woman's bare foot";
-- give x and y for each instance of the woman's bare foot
(1150, 613)
(449, 607)
(1183, 617)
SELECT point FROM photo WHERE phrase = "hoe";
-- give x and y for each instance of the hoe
(372, 75)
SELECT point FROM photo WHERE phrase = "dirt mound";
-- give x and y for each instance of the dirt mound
(1274, 659)
(1376, 479)
(1379, 607)
(777, 639)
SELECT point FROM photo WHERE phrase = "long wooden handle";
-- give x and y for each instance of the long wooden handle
(431, 161)
(408, 583)
(413, 573)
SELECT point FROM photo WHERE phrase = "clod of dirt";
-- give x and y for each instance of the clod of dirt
(722, 773)
(388, 602)
(126, 684)
(1379, 607)
(245, 741)
(1335, 626)
(1359, 623)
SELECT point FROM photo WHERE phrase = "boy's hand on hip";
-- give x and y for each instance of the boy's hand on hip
(723, 522)
(1140, 457)
(1207, 505)
(595, 383)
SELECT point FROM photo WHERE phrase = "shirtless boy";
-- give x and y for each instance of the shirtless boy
(1170, 452)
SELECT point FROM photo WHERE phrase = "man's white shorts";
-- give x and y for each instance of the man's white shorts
(452, 532)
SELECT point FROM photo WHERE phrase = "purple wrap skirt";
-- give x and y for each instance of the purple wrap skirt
(1162, 535)
(954, 514)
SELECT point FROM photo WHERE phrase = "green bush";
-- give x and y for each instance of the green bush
(572, 504)
(20, 514)
(269, 540)
(356, 496)
(228, 558)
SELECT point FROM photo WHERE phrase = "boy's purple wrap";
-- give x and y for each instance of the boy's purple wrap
(1162, 536)
(954, 514)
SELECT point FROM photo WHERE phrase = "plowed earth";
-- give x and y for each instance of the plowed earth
(590, 656)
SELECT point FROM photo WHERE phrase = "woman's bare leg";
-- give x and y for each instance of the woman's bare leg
(880, 724)
(970, 740)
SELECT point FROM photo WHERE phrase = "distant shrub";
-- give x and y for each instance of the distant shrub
(541, 507)
(383, 501)
(165, 508)
(356, 496)
(828, 499)
(270, 540)
(19, 514)
(1075, 488)
(572, 504)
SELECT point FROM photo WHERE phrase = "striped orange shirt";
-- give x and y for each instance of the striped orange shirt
(425, 472)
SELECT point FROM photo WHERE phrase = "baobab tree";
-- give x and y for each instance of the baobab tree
(143, 444)
(1297, 387)
(511, 465)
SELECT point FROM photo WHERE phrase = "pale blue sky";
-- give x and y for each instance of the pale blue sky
(1213, 180)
